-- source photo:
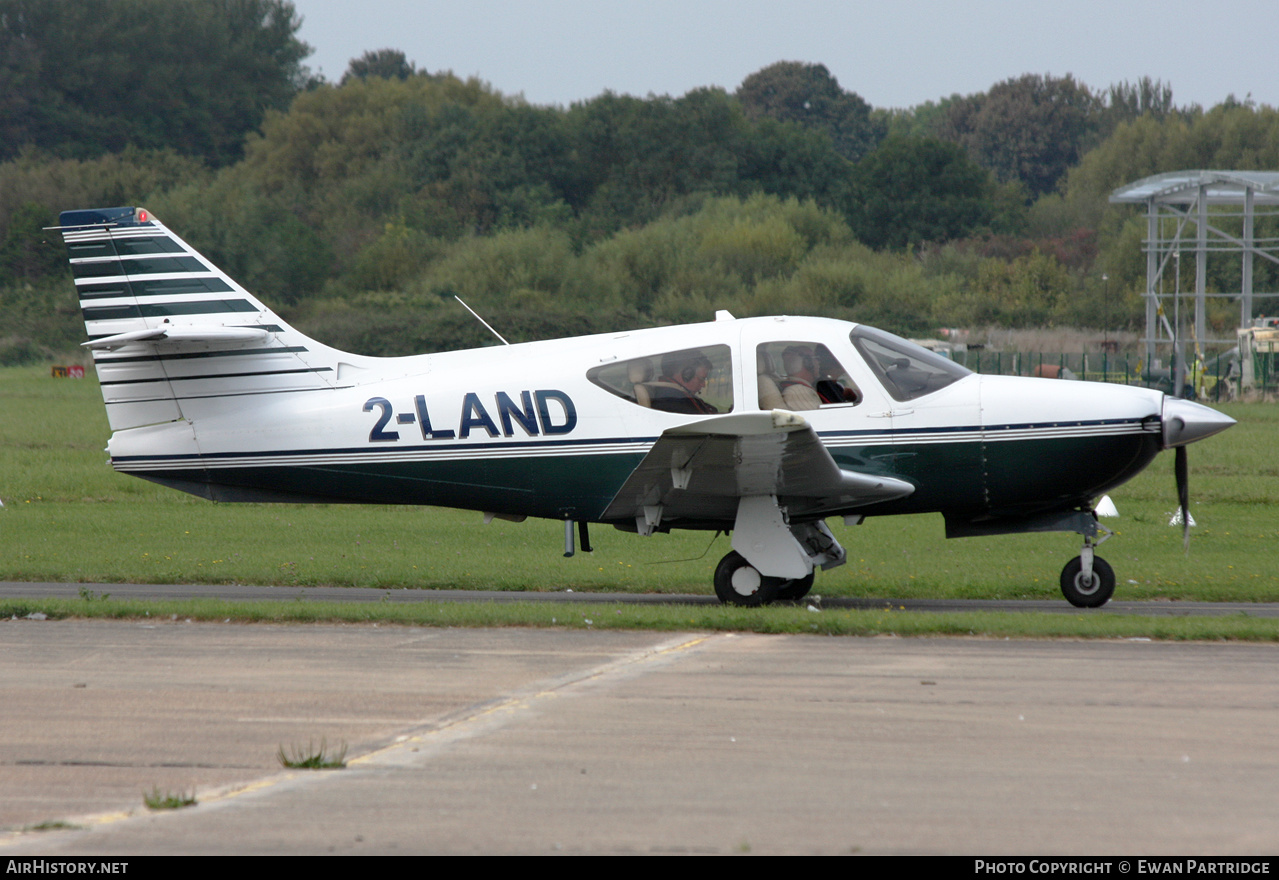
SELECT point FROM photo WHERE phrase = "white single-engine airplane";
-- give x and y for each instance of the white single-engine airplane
(761, 427)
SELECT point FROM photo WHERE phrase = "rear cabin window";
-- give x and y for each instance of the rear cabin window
(906, 370)
(693, 381)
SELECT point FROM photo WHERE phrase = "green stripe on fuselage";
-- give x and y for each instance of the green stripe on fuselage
(972, 477)
(574, 486)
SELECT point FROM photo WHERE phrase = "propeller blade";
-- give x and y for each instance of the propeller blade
(1182, 471)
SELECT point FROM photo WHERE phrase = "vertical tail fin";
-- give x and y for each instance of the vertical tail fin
(168, 328)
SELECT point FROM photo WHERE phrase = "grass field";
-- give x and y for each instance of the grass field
(68, 516)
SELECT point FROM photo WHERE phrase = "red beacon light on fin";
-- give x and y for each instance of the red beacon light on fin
(142, 215)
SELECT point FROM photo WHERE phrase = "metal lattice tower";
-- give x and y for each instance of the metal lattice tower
(1199, 212)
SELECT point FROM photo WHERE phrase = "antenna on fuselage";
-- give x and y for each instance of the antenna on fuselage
(481, 320)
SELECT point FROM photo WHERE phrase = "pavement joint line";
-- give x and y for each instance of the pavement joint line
(455, 726)
(470, 721)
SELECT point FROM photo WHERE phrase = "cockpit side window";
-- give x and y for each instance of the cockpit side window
(694, 381)
(795, 375)
(906, 370)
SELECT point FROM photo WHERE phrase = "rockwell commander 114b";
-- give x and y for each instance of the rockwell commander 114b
(762, 427)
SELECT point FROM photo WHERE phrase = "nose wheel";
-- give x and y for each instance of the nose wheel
(1088, 589)
(1088, 581)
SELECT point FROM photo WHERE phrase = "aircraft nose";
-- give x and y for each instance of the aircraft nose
(1185, 422)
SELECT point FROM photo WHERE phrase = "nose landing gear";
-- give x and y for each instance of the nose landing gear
(1088, 581)
(1090, 590)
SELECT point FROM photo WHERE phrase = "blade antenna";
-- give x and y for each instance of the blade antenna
(481, 320)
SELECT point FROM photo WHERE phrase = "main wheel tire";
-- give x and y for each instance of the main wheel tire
(793, 591)
(737, 582)
(1088, 593)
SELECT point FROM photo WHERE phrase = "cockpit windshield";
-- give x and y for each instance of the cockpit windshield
(906, 370)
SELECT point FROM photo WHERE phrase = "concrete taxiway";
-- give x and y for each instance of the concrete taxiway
(542, 741)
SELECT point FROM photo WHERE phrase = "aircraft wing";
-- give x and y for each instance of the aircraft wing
(700, 470)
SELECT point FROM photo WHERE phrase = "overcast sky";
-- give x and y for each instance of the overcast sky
(893, 54)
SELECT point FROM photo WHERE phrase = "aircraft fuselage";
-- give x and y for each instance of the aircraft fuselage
(520, 430)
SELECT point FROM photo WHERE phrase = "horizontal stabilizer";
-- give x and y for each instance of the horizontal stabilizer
(197, 334)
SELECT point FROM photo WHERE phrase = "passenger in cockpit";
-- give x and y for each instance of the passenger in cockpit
(801, 369)
(684, 375)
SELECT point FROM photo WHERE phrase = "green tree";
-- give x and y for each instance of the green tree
(386, 63)
(914, 190)
(637, 156)
(82, 79)
(253, 237)
(490, 165)
(33, 188)
(789, 161)
(1126, 101)
(637, 159)
(1032, 128)
(27, 252)
(923, 120)
(807, 95)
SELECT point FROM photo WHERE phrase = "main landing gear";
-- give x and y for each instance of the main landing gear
(764, 540)
(737, 582)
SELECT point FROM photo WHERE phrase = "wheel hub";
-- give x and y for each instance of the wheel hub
(1087, 586)
(746, 581)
